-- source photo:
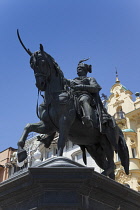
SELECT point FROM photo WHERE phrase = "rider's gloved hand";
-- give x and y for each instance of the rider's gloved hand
(78, 87)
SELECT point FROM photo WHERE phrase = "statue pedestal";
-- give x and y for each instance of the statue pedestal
(60, 183)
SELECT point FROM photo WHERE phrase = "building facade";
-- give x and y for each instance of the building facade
(5, 159)
(126, 111)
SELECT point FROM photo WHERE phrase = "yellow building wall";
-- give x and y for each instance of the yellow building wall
(127, 115)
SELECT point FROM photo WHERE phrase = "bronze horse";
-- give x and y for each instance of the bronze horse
(58, 114)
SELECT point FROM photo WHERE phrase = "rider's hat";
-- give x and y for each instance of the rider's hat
(86, 66)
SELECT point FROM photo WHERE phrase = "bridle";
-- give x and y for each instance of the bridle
(36, 61)
(39, 91)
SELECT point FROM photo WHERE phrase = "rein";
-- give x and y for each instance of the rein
(49, 77)
(39, 92)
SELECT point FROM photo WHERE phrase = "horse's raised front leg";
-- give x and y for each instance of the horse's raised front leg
(39, 127)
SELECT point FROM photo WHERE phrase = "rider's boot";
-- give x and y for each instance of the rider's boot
(87, 112)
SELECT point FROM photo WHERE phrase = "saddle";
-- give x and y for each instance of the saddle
(64, 98)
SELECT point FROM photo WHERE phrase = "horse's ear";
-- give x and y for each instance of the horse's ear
(41, 48)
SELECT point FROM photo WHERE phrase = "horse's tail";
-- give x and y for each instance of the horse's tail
(123, 153)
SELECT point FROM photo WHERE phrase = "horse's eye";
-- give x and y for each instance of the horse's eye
(43, 62)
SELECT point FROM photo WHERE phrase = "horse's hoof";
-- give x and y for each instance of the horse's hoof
(22, 155)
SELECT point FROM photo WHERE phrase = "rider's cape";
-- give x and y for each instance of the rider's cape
(107, 124)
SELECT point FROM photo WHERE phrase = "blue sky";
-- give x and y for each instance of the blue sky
(107, 31)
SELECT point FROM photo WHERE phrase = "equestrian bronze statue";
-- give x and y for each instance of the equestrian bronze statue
(73, 108)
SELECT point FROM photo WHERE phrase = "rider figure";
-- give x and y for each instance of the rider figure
(84, 89)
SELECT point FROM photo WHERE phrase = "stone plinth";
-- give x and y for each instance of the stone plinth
(63, 184)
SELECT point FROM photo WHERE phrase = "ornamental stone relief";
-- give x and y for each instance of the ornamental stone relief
(122, 178)
(138, 185)
(132, 143)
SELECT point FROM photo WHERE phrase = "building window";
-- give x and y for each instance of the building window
(15, 168)
(10, 171)
(119, 114)
(50, 153)
(79, 156)
(133, 152)
(117, 158)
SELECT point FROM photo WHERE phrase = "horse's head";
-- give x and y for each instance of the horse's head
(41, 63)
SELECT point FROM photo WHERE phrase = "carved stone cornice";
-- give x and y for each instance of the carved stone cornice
(118, 102)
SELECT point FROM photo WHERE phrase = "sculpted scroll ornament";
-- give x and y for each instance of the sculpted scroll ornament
(118, 102)
(122, 178)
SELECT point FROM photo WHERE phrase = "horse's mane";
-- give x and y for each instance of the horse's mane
(56, 67)
(55, 64)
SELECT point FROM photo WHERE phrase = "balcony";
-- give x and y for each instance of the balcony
(134, 165)
(119, 115)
